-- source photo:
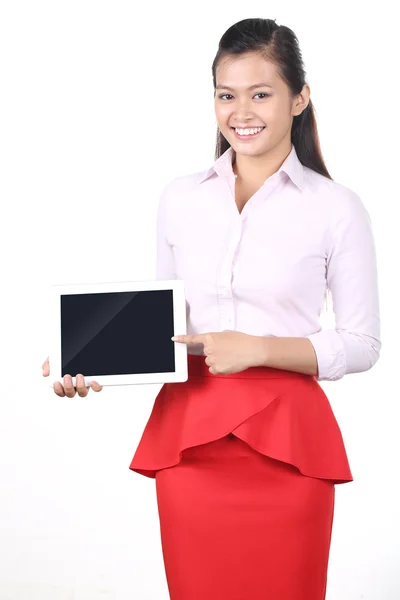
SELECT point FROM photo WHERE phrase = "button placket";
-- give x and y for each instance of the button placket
(225, 276)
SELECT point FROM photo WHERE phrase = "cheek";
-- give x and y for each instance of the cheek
(222, 112)
(279, 113)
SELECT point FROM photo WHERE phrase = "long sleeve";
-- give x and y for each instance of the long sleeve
(354, 345)
(165, 266)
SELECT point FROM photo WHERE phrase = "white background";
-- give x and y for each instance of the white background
(101, 104)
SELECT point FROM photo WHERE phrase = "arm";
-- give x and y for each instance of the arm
(289, 353)
(354, 345)
(165, 266)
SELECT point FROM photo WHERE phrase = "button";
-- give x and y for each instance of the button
(225, 291)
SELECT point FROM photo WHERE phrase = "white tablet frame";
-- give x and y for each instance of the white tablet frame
(179, 310)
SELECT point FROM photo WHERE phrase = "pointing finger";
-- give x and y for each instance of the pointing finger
(189, 339)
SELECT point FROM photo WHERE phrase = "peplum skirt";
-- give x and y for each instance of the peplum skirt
(281, 414)
(245, 467)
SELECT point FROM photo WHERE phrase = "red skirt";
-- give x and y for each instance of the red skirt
(245, 467)
(238, 525)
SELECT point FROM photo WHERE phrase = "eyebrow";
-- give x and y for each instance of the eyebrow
(252, 87)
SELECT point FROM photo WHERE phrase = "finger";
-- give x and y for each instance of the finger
(46, 368)
(68, 387)
(81, 388)
(59, 390)
(96, 387)
(189, 339)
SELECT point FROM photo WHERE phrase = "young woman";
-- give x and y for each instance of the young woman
(247, 452)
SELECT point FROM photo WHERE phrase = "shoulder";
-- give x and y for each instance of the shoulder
(179, 187)
(338, 200)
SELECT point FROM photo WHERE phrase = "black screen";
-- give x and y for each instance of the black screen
(117, 333)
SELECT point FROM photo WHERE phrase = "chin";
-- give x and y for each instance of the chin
(248, 148)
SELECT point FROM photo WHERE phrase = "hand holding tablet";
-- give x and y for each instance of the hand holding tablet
(69, 390)
(116, 334)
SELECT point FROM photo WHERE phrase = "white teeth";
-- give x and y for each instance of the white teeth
(248, 131)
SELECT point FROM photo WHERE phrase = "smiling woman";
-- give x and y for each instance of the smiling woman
(247, 451)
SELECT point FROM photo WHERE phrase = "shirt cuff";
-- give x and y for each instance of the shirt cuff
(331, 355)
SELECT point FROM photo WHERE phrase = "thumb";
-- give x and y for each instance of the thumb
(46, 368)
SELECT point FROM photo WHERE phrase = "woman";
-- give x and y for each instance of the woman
(247, 452)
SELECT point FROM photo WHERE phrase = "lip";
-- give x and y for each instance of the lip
(246, 138)
(247, 126)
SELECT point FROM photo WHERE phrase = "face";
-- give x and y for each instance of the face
(249, 93)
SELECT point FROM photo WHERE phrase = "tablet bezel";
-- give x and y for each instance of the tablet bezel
(179, 328)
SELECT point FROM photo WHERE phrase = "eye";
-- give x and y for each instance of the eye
(259, 94)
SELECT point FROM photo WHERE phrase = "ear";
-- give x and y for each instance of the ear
(301, 101)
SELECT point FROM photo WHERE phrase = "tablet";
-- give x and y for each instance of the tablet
(118, 333)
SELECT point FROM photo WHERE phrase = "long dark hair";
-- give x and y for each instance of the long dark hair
(279, 45)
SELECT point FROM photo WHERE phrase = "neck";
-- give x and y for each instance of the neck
(255, 169)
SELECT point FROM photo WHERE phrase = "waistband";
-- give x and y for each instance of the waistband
(197, 367)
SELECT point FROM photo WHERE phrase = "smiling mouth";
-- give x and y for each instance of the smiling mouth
(249, 135)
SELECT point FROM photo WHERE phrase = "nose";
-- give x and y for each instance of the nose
(242, 111)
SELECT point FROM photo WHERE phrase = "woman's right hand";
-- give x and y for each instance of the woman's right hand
(69, 390)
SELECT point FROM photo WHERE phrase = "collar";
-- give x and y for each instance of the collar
(223, 167)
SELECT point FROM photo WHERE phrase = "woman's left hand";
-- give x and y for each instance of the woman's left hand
(227, 351)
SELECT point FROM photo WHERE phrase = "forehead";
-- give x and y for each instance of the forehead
(240, 72)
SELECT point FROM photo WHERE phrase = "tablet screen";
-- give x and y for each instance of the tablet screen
(117, 333)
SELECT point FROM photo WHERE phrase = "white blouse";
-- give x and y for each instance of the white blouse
(265, 271)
